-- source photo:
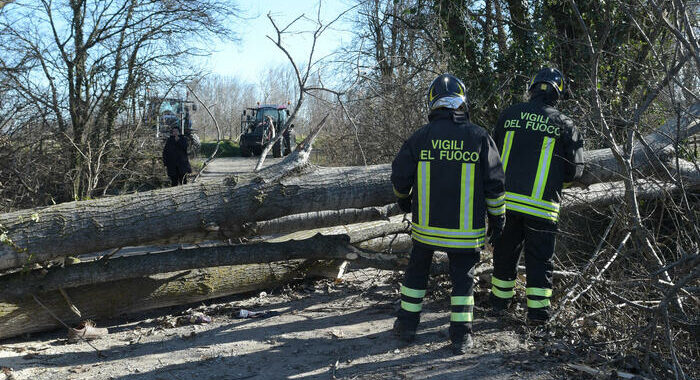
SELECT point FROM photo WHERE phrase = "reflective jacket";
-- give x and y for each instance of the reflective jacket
(451, 169)
(541, 151)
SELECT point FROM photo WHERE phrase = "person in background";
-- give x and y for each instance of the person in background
(175, 158)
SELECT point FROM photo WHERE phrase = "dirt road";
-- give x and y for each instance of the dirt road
(225, 166)
(324, 330)
(321, 330)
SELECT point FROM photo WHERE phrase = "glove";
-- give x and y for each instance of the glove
(405, 204)
(496, 225)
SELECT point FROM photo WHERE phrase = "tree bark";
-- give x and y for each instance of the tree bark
(225, 209)
(374, 237)
(313, 246)
(602, 166)
(89, 226)
(113, 299)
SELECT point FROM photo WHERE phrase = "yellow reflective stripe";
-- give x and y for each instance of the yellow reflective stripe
(538, 304)
(496, 202)
(470, 202)
(507, 144)
(448, 243)
(414, 293)
(502, 283)
(423, 192)
(412, 307)
(448, 232)
(566, 185)
(540, 203)
(501, 294)
(553, 216)
(496, 206)
(544, 292)
(399, 194)
(462, 198)
(543, 167)
(462, 300)
(466, 195)
(461, 317)
(497, 210)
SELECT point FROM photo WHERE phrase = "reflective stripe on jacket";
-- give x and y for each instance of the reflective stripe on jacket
(541, 150)
(452, 170)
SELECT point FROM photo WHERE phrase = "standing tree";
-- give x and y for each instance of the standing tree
(84, 60)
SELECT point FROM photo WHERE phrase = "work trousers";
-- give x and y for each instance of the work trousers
(416, 281)
(536, 237)
(179, 179)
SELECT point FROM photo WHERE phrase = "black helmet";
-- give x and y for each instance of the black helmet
(447, 91)
(550, 76)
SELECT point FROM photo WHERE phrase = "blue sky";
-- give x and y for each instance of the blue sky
(249, 58)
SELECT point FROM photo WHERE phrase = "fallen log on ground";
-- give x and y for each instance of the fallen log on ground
(653, 149)
(290, 187)
(75, 228)
(121, 268)
(308, 245)
(377, 237)
(113, 299)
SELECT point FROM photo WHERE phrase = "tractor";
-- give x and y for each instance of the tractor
(164, 114)
(260, 125)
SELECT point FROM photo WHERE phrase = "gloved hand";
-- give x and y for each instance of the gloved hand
(496, 225)
(405, 204)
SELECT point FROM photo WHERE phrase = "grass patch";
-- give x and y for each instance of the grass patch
(227, 148)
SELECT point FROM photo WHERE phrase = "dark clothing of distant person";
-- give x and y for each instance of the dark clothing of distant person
(176, 160)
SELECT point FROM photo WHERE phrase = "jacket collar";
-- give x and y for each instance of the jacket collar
(543, 98)
(444, 113)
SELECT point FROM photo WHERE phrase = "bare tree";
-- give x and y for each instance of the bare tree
(85, 61)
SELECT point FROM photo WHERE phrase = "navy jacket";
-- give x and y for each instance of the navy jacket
(452, 170)
(175, 156)
(541, 152)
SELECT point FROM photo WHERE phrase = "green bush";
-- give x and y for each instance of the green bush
(227, 148)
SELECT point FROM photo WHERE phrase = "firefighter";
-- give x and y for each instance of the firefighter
(448, 174)
(541, 152)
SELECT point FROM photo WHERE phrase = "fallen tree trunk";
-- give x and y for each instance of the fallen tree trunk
(320, 219)
(313, 246)
(112, 299)
(89, 226)
(224, 209)
(654, 149)
(377, 237)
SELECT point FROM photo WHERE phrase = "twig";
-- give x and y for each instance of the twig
(71, 305)
(605, 268)
(603, 374)
(109, 255)
(97, 350)
(218, 134)
(566, 299)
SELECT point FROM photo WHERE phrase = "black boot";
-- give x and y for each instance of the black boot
(499, 305)
(406, 332)
(537, 317)
(461, 345)
(461, 337)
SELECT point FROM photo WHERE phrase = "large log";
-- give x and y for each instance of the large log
(88, 226)
(602, 166)
(191, 211)
(112, 299)
(376, 237)
(116, 297)
(309, 244)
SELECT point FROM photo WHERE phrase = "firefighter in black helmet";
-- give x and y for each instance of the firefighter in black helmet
(541, 152)
(449, 175)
